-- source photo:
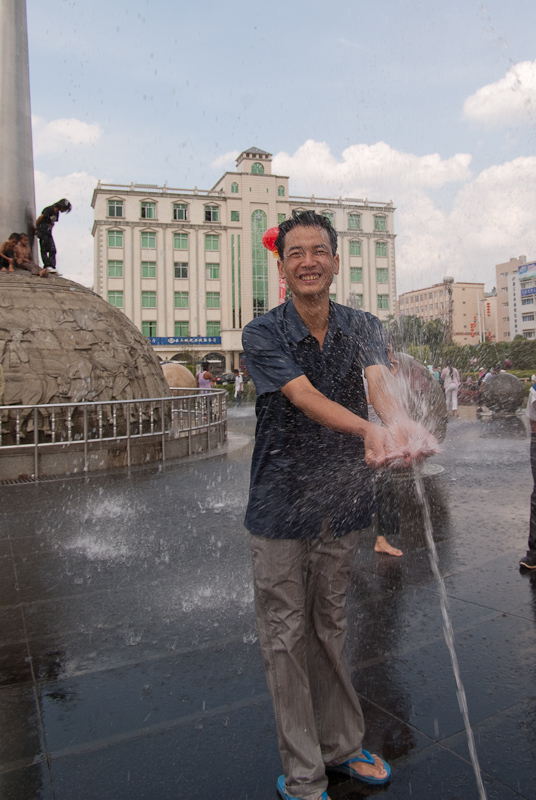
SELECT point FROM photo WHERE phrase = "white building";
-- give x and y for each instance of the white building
(188, 267)
(522, 301)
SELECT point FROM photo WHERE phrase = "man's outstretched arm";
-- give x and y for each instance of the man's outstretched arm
(379, 446)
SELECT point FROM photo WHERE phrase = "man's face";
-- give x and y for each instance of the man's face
(308, 265)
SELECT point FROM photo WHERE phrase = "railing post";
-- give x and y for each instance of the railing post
(209, 419)
(128, 434)
(163, 431)
(84, 410)
(189, 411)
(36, 444)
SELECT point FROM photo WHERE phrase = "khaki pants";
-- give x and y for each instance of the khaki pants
(300, 601)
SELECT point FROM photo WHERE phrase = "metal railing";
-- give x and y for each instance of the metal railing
(184, 414)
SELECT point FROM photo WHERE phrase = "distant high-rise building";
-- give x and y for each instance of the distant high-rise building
(188, 267)
(516, 298)
(467, 311)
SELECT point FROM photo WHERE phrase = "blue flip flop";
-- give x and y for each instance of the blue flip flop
(285, 796)
(346, 769)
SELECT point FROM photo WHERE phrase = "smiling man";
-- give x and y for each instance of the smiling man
(310, 494)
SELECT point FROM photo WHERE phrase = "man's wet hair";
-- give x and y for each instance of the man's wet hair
(63, 205)
(306, 219)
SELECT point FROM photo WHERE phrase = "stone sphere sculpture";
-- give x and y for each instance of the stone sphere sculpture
(177, 375)
(421, 394)
(503, 393)
(60, 342)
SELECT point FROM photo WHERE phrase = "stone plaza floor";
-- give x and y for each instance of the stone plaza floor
(129, 661)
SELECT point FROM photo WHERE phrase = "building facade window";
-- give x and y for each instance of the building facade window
(180, 241)
(115, 299)
(381, 249)
(115, 238)
(257, 168)
(115, 208)
(213, 328)
(526, 301)
(148, 328)
(213, 272)
(356, 275)
(333, 297)
(280, 191)
(182, 329)
(148, 240)
(382, 275)
(115, 269)
(148, 210)
(280, 218)
(259, 263)
(527, 317)
(235, 216)
(354, 222)
(212, 213)
(148, 299)
(383, 301)
(380, 223)
(213, 299)
(234, 188)
(181, 269)
(328, 215)
(180, 212)
(212, 242)
(355, 247)
(181, 299)
(148, 269)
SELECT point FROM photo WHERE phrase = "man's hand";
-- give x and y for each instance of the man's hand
(399, 445)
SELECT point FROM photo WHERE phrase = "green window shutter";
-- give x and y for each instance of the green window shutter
(181, 299)
(115, 299)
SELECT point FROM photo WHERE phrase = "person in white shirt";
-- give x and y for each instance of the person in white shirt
(529, 560)
(451, 381)
(238, 387)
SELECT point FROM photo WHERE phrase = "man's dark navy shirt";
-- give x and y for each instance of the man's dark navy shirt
(302, 472)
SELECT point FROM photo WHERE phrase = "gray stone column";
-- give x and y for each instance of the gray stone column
(17, 192)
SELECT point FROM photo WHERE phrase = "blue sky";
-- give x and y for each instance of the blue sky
(430, 104)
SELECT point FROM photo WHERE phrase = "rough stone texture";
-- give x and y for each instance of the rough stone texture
(503, 393)
(60, 342)
(178, 375)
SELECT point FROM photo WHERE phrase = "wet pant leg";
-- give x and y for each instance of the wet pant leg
(387, 503)
(48, 250)
(451, 396)
(532, 523)
(300, 601)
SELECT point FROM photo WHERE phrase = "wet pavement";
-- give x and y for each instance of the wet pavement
(129, 663)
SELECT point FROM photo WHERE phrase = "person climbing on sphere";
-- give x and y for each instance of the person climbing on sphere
(43, 229)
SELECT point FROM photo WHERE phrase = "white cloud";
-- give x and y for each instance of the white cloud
(59, 134)
(492, 216)
(225, 160)
(509, 101)
(72, 232)
(374, 171)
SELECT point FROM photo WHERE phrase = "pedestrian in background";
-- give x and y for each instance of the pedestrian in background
(238, 387)
(451, 382)
(43, 229)
(529, 560)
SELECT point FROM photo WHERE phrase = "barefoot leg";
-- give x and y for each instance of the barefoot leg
(383, 546)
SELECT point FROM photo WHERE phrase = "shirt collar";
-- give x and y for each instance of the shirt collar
(297, 330)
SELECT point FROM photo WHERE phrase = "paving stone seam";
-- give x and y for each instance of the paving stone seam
(161, 727)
